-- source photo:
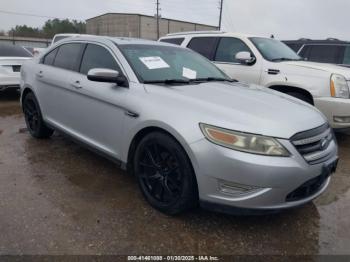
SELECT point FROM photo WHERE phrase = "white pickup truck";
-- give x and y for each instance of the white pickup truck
(271, 63)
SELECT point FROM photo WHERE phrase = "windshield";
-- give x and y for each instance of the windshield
(156, 63)
(13, 51)
(274, 50)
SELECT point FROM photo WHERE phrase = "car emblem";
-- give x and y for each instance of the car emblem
(324, 143)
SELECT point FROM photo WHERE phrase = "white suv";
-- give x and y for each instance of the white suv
(271, 63)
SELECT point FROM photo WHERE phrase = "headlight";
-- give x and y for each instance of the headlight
(339, 86)
(250, 143)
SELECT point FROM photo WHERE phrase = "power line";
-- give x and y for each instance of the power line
(27, 14)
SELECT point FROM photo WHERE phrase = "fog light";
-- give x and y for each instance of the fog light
(235, 189)
(341, 119)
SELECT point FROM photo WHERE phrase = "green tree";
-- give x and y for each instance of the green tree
(51, 27)
(57, 26)
(26, 31)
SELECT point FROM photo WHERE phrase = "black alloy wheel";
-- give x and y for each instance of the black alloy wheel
(33, 118)
(165, 174)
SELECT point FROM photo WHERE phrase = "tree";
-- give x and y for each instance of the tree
(23, 30)
(2, 33)
(57, 26)
(51, 28)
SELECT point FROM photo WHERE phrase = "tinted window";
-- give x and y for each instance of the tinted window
(176, 41)
(204, 45)
(13, 51)
(346, 59)
(228, 48)
(68, 56)
(50, 57)
(323, 54)
(97, 57)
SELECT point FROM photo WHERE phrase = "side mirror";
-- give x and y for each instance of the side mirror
(107, 76)
(245, 58)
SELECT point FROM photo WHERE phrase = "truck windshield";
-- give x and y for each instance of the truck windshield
(170, 65)
(274, 50)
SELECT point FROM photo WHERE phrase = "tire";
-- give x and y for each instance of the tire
(301, 97)
(165, 174)
(33, 117)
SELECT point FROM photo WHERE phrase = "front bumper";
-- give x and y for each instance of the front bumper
(271, 179)
(334, 108)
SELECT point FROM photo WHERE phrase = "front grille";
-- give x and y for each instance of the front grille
(16, 68)
(314, 145)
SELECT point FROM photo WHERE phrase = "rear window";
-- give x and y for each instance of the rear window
(13, 51)
(69, 56)
(175, 41)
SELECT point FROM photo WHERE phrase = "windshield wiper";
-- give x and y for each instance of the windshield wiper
(167, 81)
(209, 79)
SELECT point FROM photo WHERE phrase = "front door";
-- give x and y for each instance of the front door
(225, 59)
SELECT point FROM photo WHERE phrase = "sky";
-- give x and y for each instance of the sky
(286, 19)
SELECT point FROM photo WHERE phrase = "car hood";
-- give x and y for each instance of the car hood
(330, 68)
(240, 107)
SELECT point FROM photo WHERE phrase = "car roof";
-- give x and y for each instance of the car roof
(209, 33)
(331, 41)
(117, 40)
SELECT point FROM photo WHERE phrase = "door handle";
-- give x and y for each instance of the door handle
(76, 85)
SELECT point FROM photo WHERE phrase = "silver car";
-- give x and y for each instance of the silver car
(189, 133)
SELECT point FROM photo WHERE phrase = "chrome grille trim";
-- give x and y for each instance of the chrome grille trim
(319, 154)
(316, 145)
(314, 139)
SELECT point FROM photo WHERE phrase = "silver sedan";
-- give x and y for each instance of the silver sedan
(189, 133)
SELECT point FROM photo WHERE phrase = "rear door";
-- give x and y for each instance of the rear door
(54, 76)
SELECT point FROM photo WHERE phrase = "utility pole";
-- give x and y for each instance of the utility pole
(158, 19)
(220, 19)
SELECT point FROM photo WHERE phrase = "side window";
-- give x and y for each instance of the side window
(68, 56)
(176, 41)
(324, 54)
(96, 56)
(50, 57)
(228, 48)
(346, 58)
(205, 46)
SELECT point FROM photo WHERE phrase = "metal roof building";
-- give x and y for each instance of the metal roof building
(139, 26)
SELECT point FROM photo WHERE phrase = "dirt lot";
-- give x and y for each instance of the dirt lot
(59, 198)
